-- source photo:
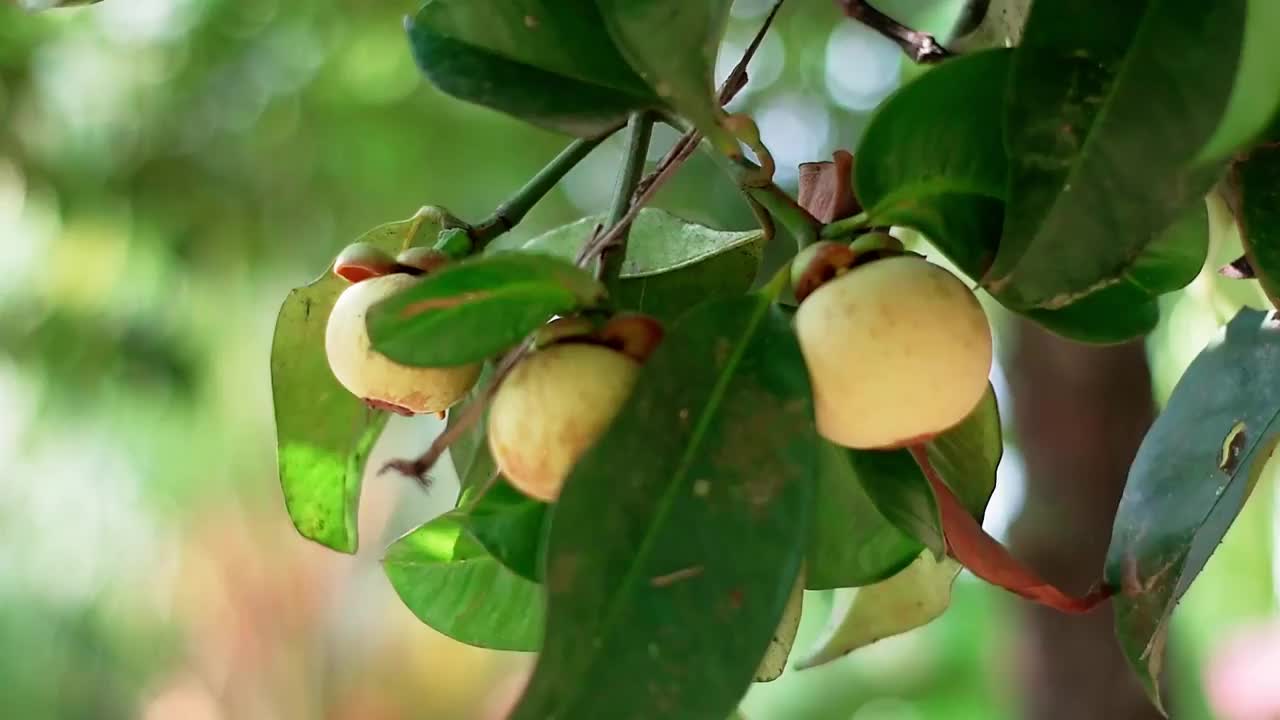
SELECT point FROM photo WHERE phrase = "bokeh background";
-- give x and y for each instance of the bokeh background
(170, 168)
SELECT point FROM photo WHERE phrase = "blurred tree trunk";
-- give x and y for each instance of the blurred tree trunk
(1080, 413)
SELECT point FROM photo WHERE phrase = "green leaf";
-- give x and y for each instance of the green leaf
(323, 433)
(672, 44)
(1112, 315)
(852, 543)
(477, 308)
(659, 242)
(968, 455)
(452, 584)
(671, 265)
(875, 510)
(676, 541)
(1104, 125)
(1190, 479)
(1255, 97)
(902, 494)
(549, 62)
(469, 453)
(1128, 308)
(510, 526)
(861, 616)
(932, 158)
(1253, 191)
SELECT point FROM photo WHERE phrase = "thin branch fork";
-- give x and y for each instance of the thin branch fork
(648, 186)
(920, 47)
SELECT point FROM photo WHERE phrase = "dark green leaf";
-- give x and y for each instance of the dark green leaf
(989, 24)
(509, 524)
(1190, 479)
(1255, 96)
(1253, 189)
(1104, 126)
(1128, 308)
(549, 62)
(677, 539)
(902, 494)
(933, 158)
(967, 455)
(1112, 315)
(670, 295)
(673, 45)
(671, 265)
(477, 308)
(875, 510)
(851, 544)
(323, 433)
(453, 585)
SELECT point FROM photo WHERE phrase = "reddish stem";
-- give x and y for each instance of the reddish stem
(985, 557)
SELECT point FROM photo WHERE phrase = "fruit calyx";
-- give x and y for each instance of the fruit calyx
(361, 261)
(823, 261)
(632, 334)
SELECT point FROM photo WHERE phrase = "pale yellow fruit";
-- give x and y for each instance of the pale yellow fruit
(553, 407)
(898, 351)
(372, 376)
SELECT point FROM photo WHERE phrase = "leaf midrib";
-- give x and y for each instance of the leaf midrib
(668, 498)
(1077, 164)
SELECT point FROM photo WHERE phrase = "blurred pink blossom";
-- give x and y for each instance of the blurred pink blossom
(1243, 676)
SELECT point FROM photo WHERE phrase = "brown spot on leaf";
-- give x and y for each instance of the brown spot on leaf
(672, 578)
(562, 574)
(1232, 448)
(444, 303)
(723, 351)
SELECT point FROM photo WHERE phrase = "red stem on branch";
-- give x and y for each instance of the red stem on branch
(985, 557)
(920, 47)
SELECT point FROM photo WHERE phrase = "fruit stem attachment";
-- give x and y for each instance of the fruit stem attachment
(846, 227)
(513, 209)
(797, 221)
(639, 133)
(781, 207)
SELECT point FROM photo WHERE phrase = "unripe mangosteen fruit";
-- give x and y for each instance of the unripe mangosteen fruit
(898, 351)
(378, 380)
(553, 407)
